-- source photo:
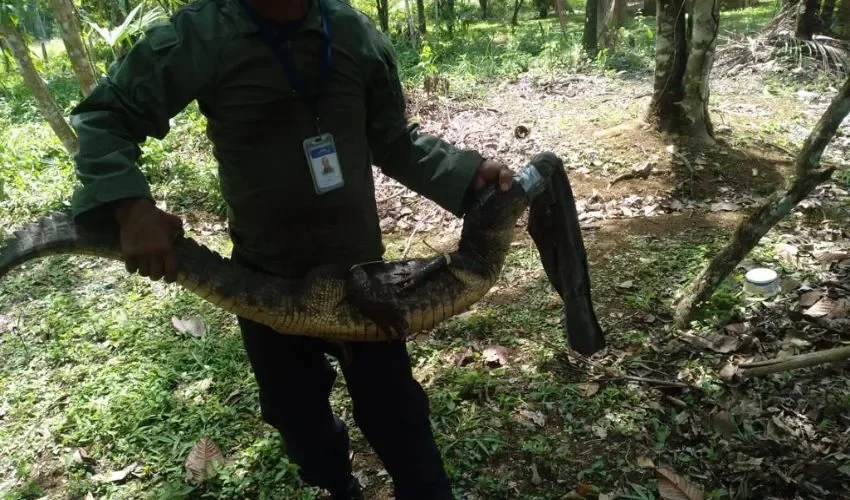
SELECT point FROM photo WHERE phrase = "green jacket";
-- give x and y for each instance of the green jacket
(212, 52)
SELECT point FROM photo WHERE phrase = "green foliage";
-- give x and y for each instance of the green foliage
(134, 25)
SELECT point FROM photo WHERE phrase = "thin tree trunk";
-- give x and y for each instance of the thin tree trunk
(753, 228)
(383, 15)
(7, 64)
(827, 14)
(483, 4)
(611, 15)
(410, 30)
(42, 35)
(590, 42)
(450, 16)
(70, 30)
(665, 113)
(621, 12)
(542, 8)
(420, 9)
(844, 16)
(515, 18)
(706, 16)
(46, 103)
(807, 18)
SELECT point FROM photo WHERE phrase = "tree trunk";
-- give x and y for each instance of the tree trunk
(611, 15)
(515, 18)
(4, 50)
(483, 4)
(420, 9)
(383, 15)
(542, 8)
(648, 8)
(410, 30)
(70, 30)
(827, 14)
(621, 12)
(807, 19)
(671, 56)
(844, 16)
(590, 41)
(706, 16)
(449, 14)
(807, 177)
(33, 80)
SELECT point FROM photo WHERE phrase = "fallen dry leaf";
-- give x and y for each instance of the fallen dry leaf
(840, 309)
(81, 456)
(496, 355)
(722, 421)
(464, 357)
(535, 476)
(822, 308)
(6, 324)
(671, 486)
(202, 459)
(645, 462)
(830, 257)
(194, 326)
(600, 431)
(809, 299)
(589, 389)
(626, 284)
(722, 344)
(534, 416)
(787, 252)
(724, 206)
(115, 476)
(736, 329)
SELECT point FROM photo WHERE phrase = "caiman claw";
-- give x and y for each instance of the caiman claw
(378, 302)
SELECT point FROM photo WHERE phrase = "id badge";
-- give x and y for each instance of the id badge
(323, 163)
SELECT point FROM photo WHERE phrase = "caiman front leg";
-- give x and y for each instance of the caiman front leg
(378, 302)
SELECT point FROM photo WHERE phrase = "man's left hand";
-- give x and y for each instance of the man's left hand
(492, 171)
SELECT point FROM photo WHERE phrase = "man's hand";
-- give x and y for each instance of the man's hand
(147, 239)
(492, 171)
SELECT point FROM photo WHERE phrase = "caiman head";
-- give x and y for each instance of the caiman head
(492, 216)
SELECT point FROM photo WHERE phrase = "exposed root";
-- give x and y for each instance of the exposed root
(623, 128)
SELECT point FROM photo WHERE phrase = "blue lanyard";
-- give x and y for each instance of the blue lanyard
(285, 56)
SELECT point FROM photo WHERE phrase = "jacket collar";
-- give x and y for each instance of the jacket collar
(313, 21)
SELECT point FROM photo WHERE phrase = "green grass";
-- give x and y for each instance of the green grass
(96, 363)
(748, 21)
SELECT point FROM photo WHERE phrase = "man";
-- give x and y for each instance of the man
(285, 85)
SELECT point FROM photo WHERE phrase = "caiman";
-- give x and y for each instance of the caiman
(386, 300)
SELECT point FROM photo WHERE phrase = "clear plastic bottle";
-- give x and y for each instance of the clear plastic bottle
(762, 282)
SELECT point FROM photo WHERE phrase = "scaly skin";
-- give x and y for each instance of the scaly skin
(367, 303)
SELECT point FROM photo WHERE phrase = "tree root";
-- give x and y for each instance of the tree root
(777, 365)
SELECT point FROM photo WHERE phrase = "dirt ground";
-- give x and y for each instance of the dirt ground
(689, 192)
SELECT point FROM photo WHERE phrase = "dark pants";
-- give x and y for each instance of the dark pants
(295, 379)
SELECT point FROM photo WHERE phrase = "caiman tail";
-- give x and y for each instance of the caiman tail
(372, 302)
